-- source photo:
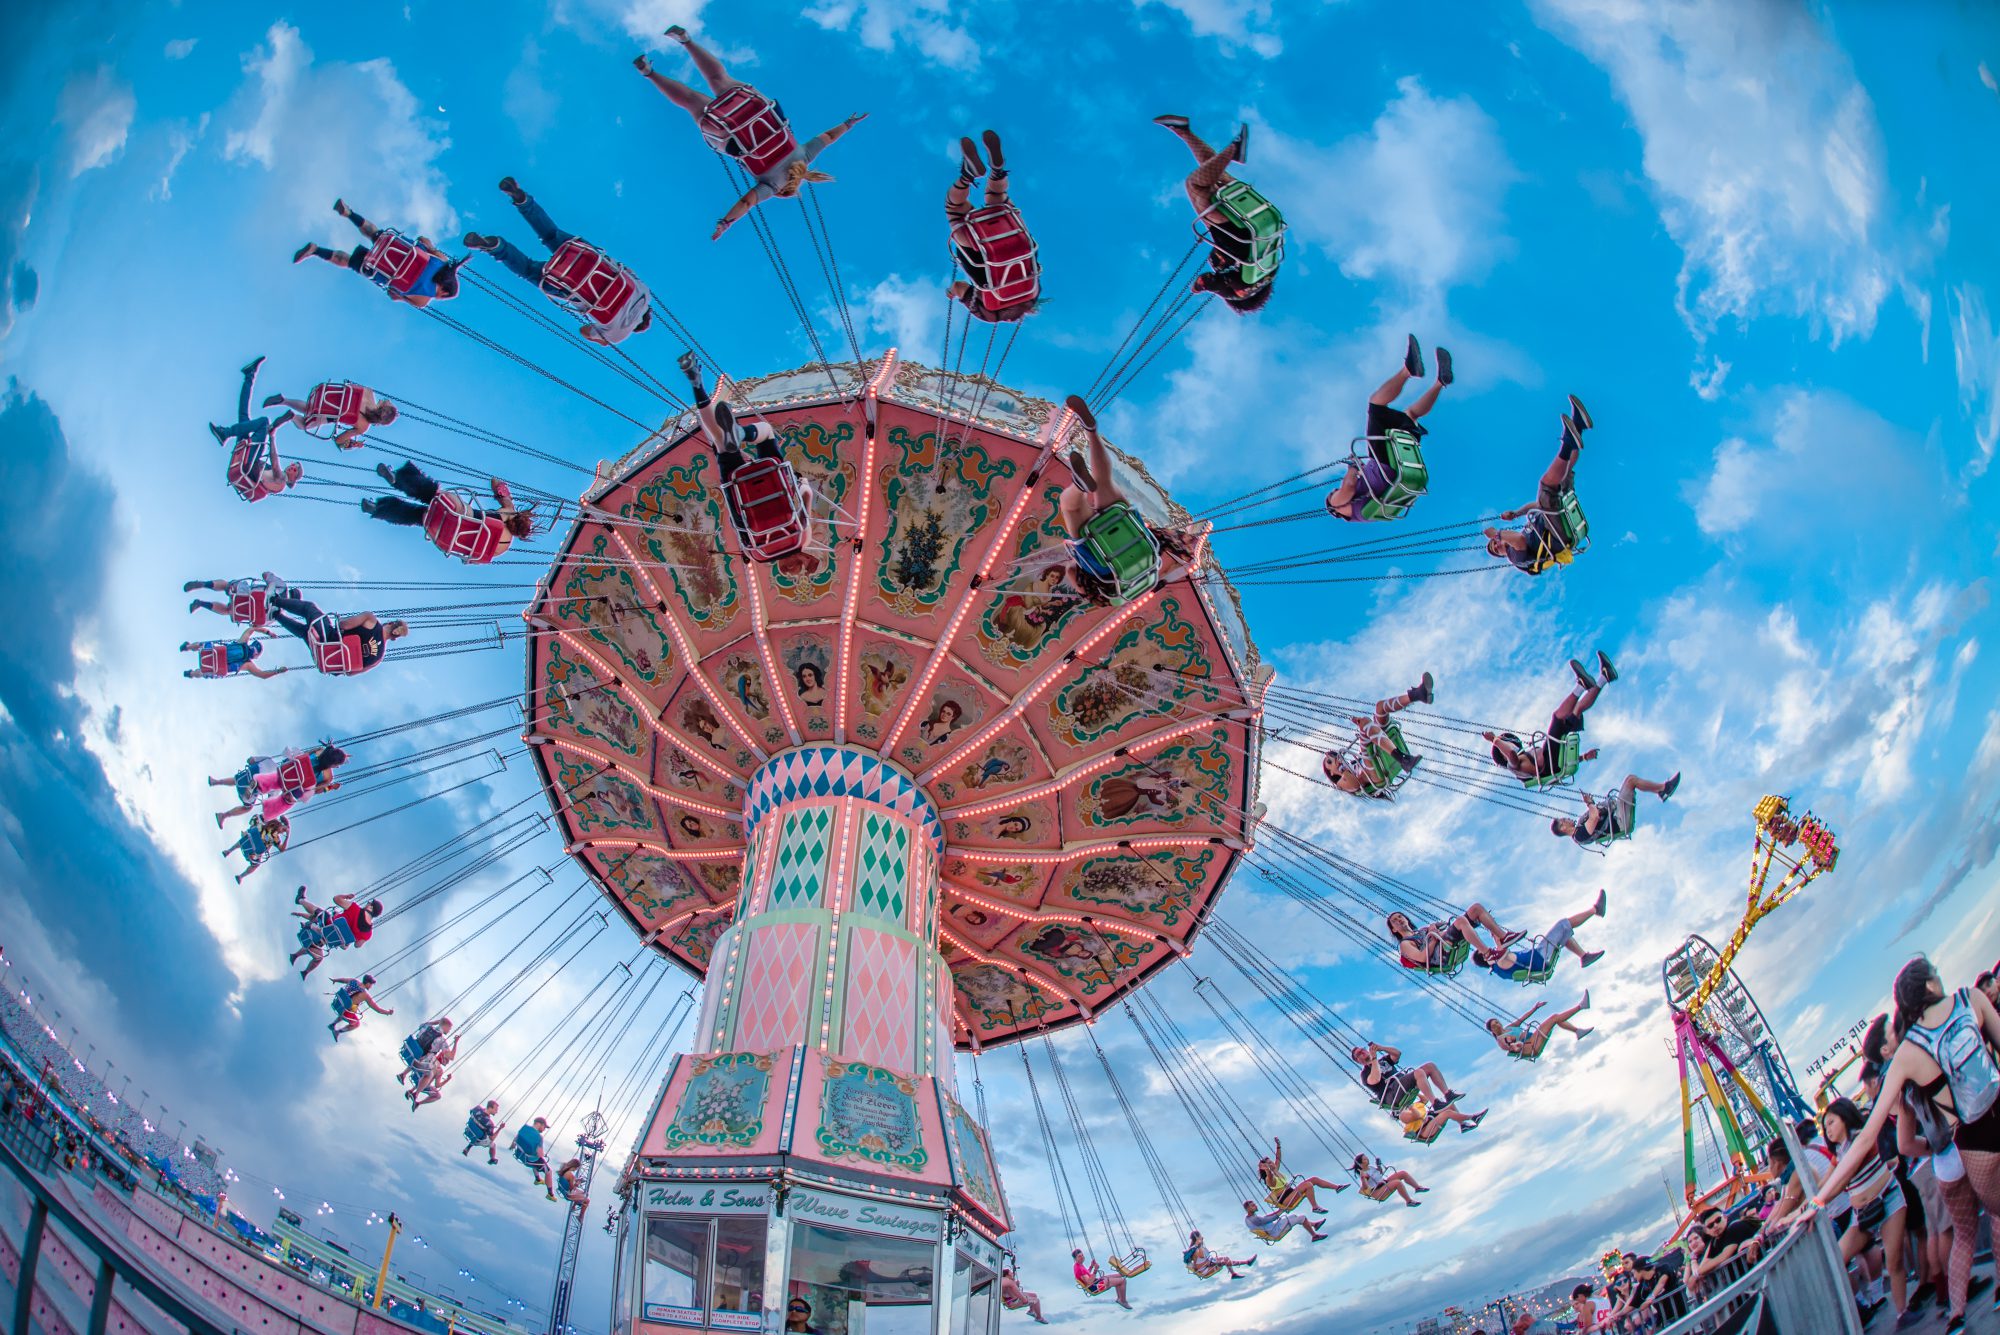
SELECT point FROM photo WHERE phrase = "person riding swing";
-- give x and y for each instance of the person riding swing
(1385, 479)
(1003, 275)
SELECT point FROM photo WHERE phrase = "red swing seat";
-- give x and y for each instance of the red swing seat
(583, 279)
(394, 261)
(334, 653)
(333, 407)
(296, 776)
(250, 606)
(250, 471)
(213, 660)
(997, 239)
(769, 504)
(454, 524)
(744, 124)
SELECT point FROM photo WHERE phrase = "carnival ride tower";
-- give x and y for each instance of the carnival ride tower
(907, 793)
(1724, 1047)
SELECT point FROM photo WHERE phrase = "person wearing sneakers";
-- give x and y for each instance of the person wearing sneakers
(1092, 489)
(421, 489)
(1227, 254)
(633, 315)
(1612, 816)
(1536, 545)
(1518, 1038)
(1543, 761)
(1362, 482)
(349, 996)
(1377, 1187)
(231, 656)
(1353, 769)
(317, 933)
(1393, 1085)
(751, 127)
(255, 470)
(1535, 962)
(482, 1128)
(1431, 946)
(730, 436)
(436, 281)
(1285, 1191)
(976, 290)
(370, 409)
(1093, 1280)
(1013, 1297)
(1204, 1262)
(1424, 1122)
(1272, 1225)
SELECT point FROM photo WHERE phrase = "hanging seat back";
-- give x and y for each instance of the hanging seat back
(1123, 550)
(296, 776)
(326, 930)
(334, 653)
(1454, 960)
(213, 660)
(996, 238)
(1568, 756)
(1267, 1236)
(1134, 1262)
(1380, 753)
(744, 124)
(250, 472)
(584, 280)
(331, 408)
(769, 504)
(454, 524)
(249, 605)
(1393, 488)
(1244, 225)
(395, 262)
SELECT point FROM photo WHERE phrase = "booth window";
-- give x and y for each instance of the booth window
(861, 1283)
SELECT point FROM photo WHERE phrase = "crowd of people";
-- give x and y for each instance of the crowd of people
(1907, 1171)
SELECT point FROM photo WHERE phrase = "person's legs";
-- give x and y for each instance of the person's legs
(413, 482)
(1183, 132)
(544, 226)
(516, 261)
(1556, 477)
(367, 229)
(396, 510)
(1213, 171)
(284, 620)
(1431, 1083)
(958, 200)
(1893, 1236)
(1477, 914)
(711, 69)
(1962, 1202)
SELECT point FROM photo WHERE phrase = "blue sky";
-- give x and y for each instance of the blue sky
(1758, 239)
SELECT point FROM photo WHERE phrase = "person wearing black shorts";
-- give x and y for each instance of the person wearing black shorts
(1542, 760)
(1532, 547)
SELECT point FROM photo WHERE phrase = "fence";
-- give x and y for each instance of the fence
(1799, 1287)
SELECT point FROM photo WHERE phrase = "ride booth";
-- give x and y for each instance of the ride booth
(813, 1153)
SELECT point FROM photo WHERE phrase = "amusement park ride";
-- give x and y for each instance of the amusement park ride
(904, 794)
(1723, 1046)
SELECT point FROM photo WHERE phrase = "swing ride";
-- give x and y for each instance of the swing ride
(1723, 1046)
(833, 707)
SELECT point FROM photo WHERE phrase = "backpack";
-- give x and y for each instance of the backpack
(1960, 1049)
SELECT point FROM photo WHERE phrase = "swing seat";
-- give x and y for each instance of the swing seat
(1379, 753)
(455, 526)
(1418, 1137)
(1133, 1263)
(1199, 1273)
(412, 1051)
(1121, 550)
(1527, 1057)
(213, 660)
(394, 262)
(1569, 756)
(1454, 960)
(996, 238)
(331, 408)
(334, 654)
(769, 505)
(1393, 489)
(327, 931)
(474, 1133)
(250, 473)
(586, 282)
(527, 1160)
(1267, 1237)
(1564, 533)
(744, 124)
(1250, 225)
(250, 606)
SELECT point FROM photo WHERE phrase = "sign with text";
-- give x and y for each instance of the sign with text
(708, 1197)
(869, 1216)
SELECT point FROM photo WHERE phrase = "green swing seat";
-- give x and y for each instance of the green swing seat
(1380, 753)
(1408, 475)
(1454, 960)
(1569, 755)
(1253, 226)
(1122, 548)
(1566, 533)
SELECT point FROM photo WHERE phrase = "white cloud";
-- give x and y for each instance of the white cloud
(1761, 148)
(926, 26)
(1436, 172)
(1877, 472)
(336, 129)
(1236, 24)
(647, 19)
(1706, 380)
(911, 312)
(1976, 354)
(95, 111)
(1986, 77)
(181, 139)
(180, 48)
(529, 103)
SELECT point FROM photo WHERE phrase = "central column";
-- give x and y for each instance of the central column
(834, 943)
